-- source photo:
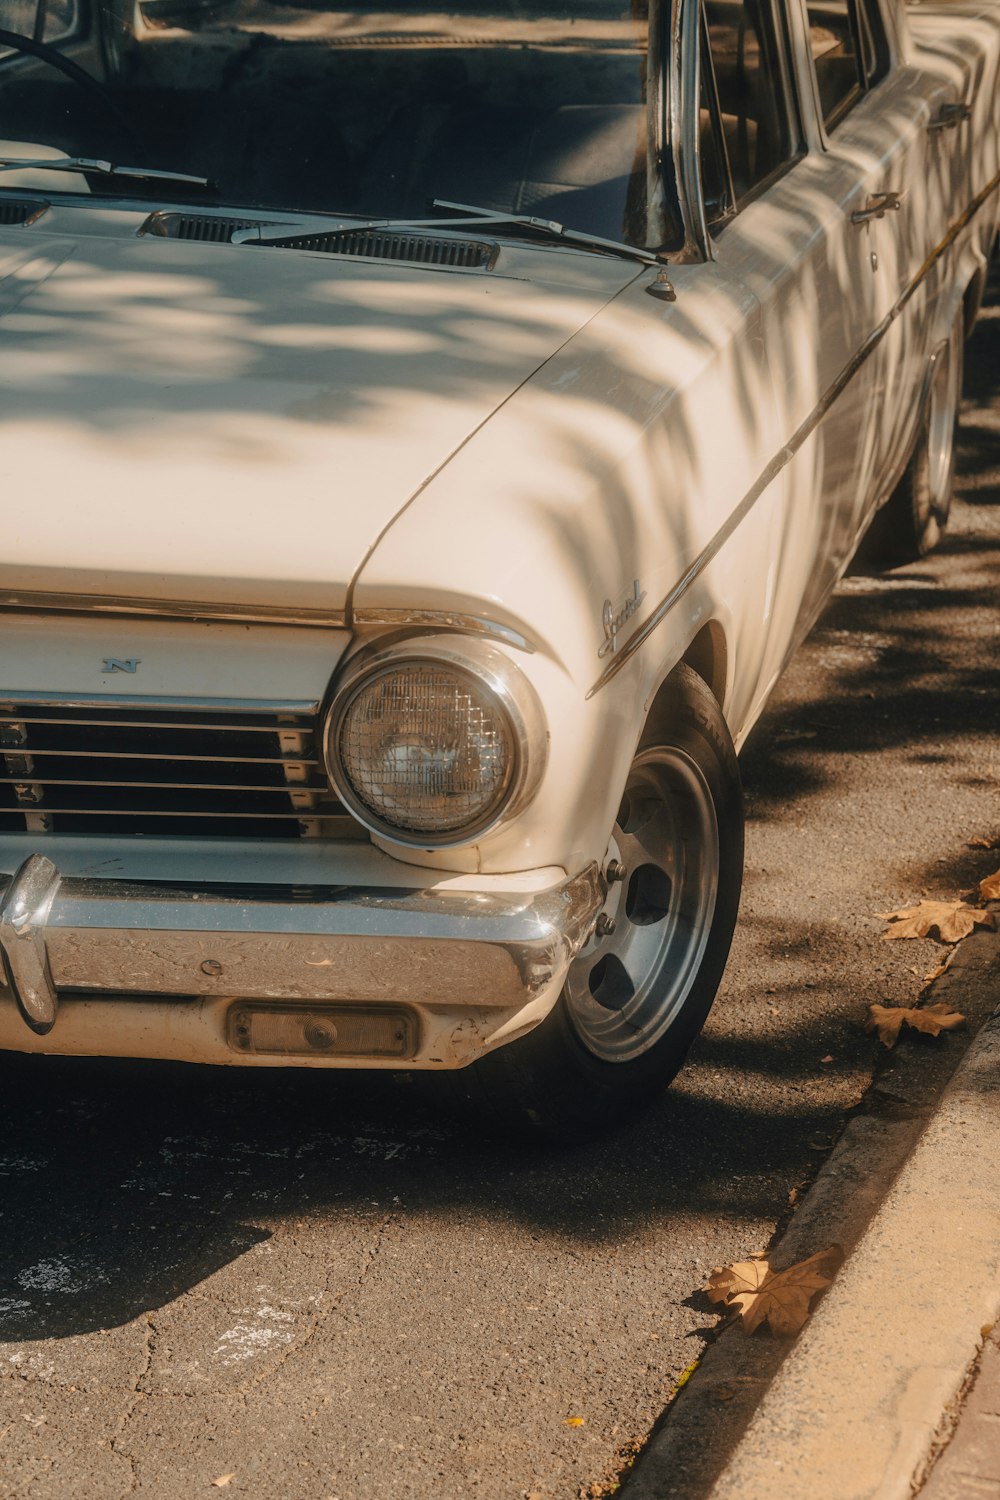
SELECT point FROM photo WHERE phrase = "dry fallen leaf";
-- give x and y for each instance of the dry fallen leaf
(223, 1480)
(939, 969)
(948, 921)
(782, 1297)
(989, 889)
(575, 1422)
(887, 1020)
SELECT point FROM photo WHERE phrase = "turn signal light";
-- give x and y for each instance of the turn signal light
(322, 1031)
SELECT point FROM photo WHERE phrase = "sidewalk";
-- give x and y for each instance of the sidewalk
(969, 1466)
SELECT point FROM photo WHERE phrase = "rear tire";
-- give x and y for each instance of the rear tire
(635, 998)
(912, 521)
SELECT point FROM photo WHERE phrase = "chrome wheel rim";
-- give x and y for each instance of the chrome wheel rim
(944, 398)
(627, 985)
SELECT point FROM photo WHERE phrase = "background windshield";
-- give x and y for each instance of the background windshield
(528, 106)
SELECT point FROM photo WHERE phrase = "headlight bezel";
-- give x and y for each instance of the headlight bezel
(481, 663)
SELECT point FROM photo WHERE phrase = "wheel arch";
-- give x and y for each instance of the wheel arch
(965, 292)
(707, 655)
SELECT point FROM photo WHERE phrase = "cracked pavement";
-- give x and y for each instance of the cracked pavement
(317, 1284)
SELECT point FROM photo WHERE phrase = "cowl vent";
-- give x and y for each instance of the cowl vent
(384, 244)
(209, 228)
(378, 244)
(21, 210)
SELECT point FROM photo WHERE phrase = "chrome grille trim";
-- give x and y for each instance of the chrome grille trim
(245, 727)
(150, 767)
(298, 707)
(167, 609)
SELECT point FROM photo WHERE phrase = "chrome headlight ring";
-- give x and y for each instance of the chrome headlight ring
(501, 760)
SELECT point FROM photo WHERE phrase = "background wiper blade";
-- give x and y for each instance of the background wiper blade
(471, 218)
(555, 229)
(280, 234)
(103, 168)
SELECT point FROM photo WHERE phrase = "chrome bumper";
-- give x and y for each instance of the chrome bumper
(73, 939)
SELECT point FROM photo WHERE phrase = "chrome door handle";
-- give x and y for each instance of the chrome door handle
(878, 205)
(950, 115)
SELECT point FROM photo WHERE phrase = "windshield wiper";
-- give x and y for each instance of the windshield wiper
(102, 168)
(554, 230)
(470, 217)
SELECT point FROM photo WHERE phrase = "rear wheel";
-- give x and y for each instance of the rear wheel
(638, 992)
(912, 521)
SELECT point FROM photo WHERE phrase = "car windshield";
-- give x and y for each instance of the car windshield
(521, 106)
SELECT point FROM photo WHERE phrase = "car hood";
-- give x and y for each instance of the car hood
(239, 426)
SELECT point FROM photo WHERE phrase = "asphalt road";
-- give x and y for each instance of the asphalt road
(319, 1287)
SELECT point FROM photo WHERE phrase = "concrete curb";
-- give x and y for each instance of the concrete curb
(871, 1385)
(702, 1429)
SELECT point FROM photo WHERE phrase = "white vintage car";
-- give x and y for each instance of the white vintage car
(425, 435)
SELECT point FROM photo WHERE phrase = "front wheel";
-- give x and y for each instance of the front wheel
(639, 990)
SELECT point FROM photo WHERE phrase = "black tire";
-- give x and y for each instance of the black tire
(603, 1053)
(913, 519)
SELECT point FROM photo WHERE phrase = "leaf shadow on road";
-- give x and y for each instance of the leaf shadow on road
(126, 1184)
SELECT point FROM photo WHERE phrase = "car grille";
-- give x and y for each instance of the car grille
(166, 772)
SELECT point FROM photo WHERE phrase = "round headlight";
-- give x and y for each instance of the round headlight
(429, 742)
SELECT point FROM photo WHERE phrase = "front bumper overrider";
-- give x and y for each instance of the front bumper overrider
(154, 969)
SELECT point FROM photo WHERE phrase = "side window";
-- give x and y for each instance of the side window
(19, 16)
(41, 20)
(747, 132)
(849, 52)
(62, 19)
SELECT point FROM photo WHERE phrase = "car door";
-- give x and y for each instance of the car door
(878, 110)
(779, 198)
(924, 109)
